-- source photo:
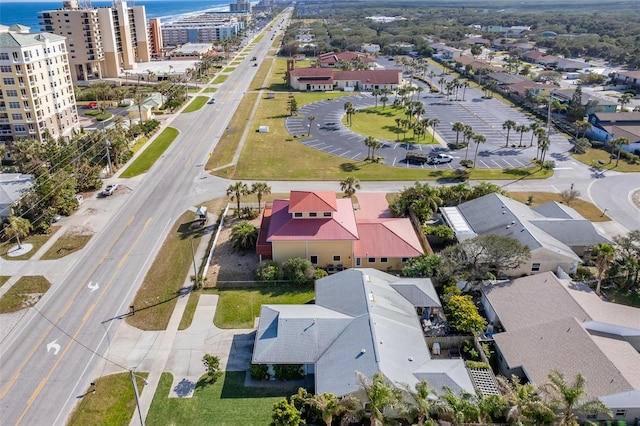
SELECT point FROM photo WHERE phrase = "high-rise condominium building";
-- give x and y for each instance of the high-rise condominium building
(204, 28)
(36, 91)
(102, 42)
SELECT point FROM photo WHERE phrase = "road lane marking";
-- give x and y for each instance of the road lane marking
(14, 378)
(53, 345)
(84, 320)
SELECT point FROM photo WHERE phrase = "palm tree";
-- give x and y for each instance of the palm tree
(260, 189)
(465, 84)
(398, 122)
(376, 93)
(457, 127)
(616, 145)
(424, 401)
(541, 134)
(139, 98)
(350, 112)
(244, 236)
(349, 185)
(533, 127)
(468, 135)
(380, 394)
(441, 81)
(17, 227)
(508, 126)
(544, 144)
(418, 110)
(624, 100)
(581, 128)
(330, 405)
(478, 139)
(375, 144)
(237, 190)
(522, 129)
(434, 123)
(568, 398)
(431, 74)
(524, 405)
(310, 118)
(463, 407)
(602, 254)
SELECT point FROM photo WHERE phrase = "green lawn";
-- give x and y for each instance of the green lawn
(113, 402)
(36, 241)
(210, 90)
(160, 288)
(139, 144)
(380, 123)
(624, 298)
(25, 293)
(220, 79)
(3, 279)
(65, 245)
(586, 209)
(225, 403)
(144, 162)
(237, 308)
(196, 104)
(282, 157)
(593, 156)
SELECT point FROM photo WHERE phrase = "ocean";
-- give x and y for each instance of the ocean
(26, 13)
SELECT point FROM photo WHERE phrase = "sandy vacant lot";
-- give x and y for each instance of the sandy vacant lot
(229, 265)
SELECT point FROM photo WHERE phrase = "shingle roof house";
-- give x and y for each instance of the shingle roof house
(551, 323)
(315, 225)
(556, 235)
(359, 322)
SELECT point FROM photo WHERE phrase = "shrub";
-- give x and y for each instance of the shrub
(583, 274)
(455, 146)
(288, 371)
(470, 350)
(463, 315)
(244, 236)
(597, 144)
(425, 265)
(298, 270)
(249, 213)
(269, 270)
(320, 273)
(258, 371)
(549, 165)
(478, 365)
(466, 163)
(212, 364)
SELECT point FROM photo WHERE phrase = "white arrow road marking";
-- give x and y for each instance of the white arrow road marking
(93, 286)
(53, 345)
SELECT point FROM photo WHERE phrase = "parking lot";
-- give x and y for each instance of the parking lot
(485, 116)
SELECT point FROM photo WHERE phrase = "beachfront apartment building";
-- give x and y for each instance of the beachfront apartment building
(102, 42)
(204, 28)
(36, 91)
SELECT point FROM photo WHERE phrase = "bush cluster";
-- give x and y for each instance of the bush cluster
(258, 371)
(288, 371)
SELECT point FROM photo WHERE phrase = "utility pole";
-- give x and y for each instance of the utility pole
(135, 391)
(195, 271)
(108, 145)
(549, 113)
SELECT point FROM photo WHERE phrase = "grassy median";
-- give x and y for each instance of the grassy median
(65, 245)
(144, 162)
(25, 293)
(196, 104)
(157, 297)
(112, 403)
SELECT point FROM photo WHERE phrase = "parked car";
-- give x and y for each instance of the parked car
(92, 105)
(440, 158)
(56, 218)
(110, 189)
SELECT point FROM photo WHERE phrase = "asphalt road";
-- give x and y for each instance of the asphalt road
(47, 360)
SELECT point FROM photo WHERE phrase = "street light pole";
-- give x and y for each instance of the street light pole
(135, 391)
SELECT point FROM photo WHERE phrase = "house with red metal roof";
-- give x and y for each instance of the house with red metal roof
(326, 230)
(323, 79)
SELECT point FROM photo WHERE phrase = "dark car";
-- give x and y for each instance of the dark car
(211, 101)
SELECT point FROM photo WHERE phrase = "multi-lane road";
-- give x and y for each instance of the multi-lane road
(46, 361)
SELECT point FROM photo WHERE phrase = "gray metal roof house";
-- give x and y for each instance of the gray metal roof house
(556, 234)
(13, 187)
(362, 320)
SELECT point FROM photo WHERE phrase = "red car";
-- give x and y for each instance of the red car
(92, 105)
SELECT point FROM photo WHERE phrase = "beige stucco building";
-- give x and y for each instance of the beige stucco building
(102, 42)
(36, 91)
